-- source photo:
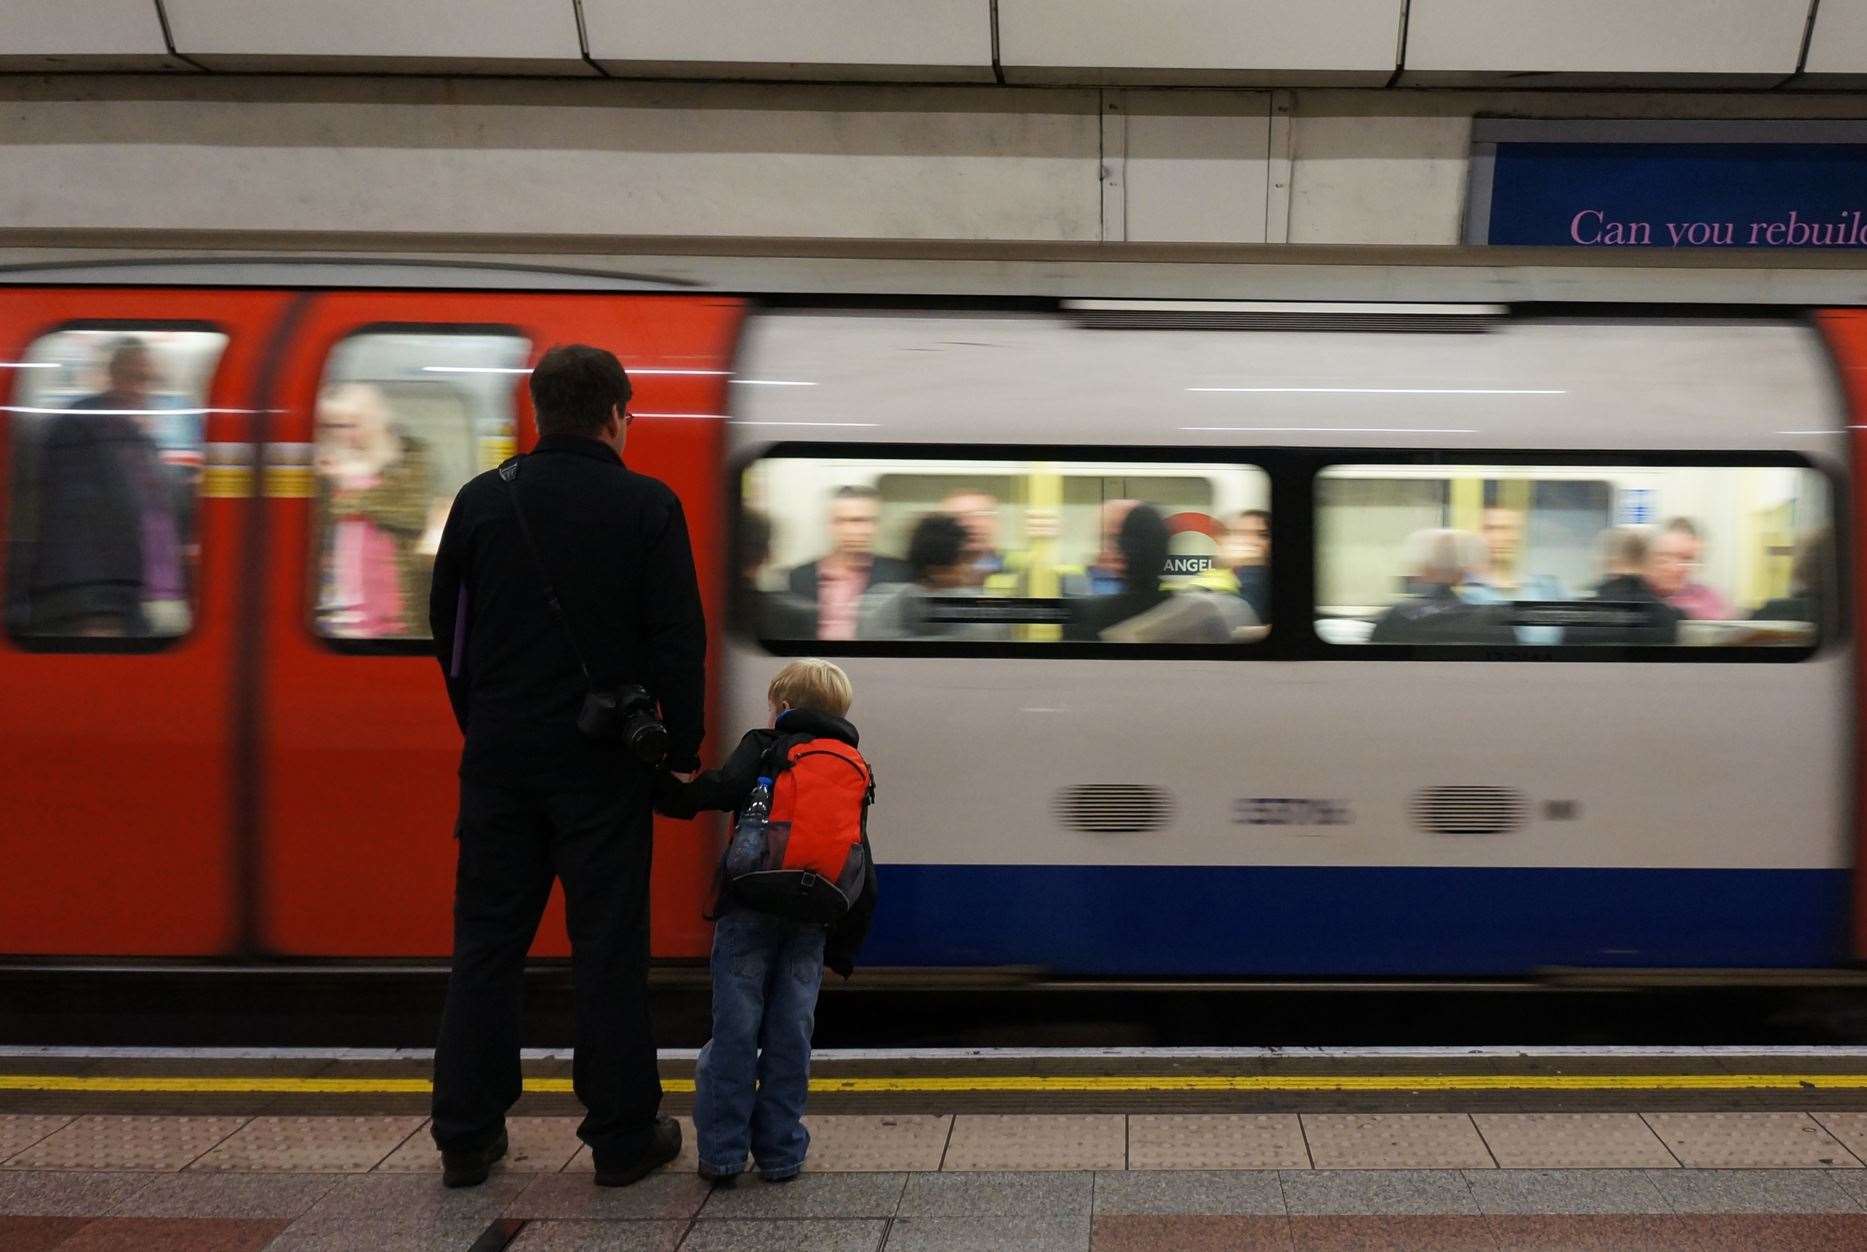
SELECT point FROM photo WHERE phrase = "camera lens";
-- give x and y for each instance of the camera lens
(648, 739)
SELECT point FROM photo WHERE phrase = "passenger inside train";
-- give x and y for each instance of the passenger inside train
(1540, 530)
(106, 463)
(1006, 551)
(403, 419)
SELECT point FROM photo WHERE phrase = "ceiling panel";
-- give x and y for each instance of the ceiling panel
(1199, 41)
(381, 36)
(1597, 42)
(41, 35)
(1838, 45)
(945, 40)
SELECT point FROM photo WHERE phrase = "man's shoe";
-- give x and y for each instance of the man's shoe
(664, 1147)
(717, 1178)
(469, 1169)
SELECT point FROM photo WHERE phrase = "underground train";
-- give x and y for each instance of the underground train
(257, 762)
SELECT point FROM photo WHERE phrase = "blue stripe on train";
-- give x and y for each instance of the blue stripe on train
(1206, 920)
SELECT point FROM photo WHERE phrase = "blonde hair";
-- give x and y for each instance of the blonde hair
(813, 684)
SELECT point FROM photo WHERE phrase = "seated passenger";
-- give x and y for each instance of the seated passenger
(1499, 579)
(1141, 545)
(1191, 616)
(940, 567)
(1434, 614)
(1807, 573)
(1678, 555)
(1628, 561)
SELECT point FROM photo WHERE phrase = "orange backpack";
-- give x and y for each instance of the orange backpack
(815, 856)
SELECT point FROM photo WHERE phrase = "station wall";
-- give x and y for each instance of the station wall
(570, 158)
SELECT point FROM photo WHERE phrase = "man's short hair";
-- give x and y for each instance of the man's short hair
(813, 684)
(1262, 515)
(576, 388)
(1684, 526)
(856, 491)
(937, 542)
(1626, 547)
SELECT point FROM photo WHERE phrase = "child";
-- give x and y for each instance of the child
(754, 1074)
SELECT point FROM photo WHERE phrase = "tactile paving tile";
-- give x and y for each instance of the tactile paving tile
(534, 1145)
(1395, 1141)
(104, 1141)
(1849, 1128)
(983, 1141)
(20, 1131)
(311, 1144)
(1216, 1141)
(1573, 1141)
(1750, 1141)
(686, 1162)
(867, 1145)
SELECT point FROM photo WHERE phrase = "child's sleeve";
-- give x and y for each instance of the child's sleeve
(725, 788)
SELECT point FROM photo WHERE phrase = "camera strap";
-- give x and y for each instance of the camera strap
(509, 473)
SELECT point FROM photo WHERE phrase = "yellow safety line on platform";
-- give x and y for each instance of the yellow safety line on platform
(909, 1084)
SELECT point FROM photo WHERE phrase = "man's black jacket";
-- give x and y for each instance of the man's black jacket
(727, 789)
(615, 545)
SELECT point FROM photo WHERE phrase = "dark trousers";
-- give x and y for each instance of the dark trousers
(513, 841)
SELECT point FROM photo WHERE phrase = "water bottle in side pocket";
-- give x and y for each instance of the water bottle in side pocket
(746, 853)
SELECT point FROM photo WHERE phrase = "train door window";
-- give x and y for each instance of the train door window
(927, 552)
(404, 418)
(1562, 555)
(105, 443)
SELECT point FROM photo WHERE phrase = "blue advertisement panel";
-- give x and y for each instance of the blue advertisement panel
(1669, 185)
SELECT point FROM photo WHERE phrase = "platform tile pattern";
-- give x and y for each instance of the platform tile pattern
(1069, 1211)
(1081, 1183)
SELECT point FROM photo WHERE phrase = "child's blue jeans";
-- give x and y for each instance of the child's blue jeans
(754, 1074)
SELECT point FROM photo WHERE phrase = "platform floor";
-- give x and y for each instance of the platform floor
(219, 1153)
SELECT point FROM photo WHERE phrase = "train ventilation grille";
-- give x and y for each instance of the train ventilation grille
(1114, 808)
(1468, 810)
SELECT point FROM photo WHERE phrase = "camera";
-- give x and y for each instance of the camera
(627, 716)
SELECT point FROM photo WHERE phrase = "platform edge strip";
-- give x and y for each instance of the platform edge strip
(1137, 1084)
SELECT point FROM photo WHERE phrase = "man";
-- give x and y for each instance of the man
(538, 798)
(1501, 579)
(1104, 575)
(1678, 555)
(977, 511)
(1627, 557)
(835, 582)
(1247, 550)
(1438, 561)
(108, 560)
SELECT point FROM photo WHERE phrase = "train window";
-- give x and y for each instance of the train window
(106, 428)
(1504, 555)
(404, 418)
(936, 551)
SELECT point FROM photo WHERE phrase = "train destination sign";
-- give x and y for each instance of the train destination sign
(1694, 184)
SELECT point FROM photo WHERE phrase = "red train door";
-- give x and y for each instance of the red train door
(396, 399)
(1846, 331)
(125, 454)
